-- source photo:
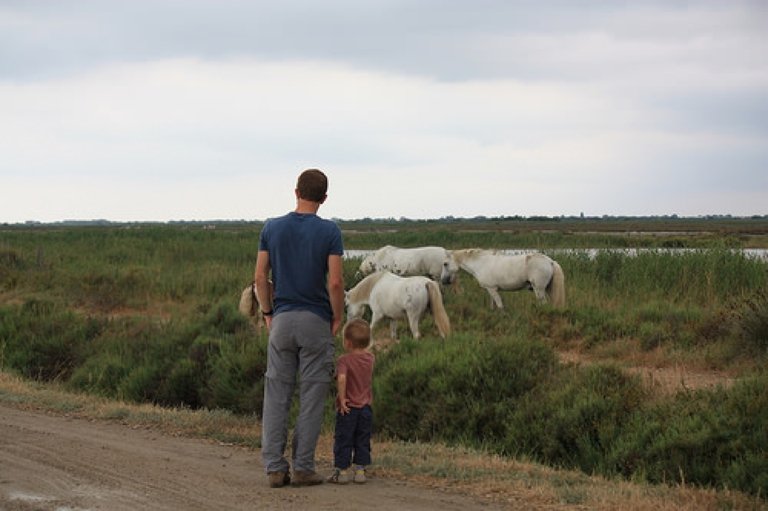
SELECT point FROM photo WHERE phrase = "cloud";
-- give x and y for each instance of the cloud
(171, 110)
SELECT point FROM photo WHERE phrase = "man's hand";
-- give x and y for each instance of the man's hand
(336, 326)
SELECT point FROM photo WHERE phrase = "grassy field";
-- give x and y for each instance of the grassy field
(148, 314)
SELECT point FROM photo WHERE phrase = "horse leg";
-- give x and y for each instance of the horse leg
(539, 286)
(413, 322)
(495, 297)
(393, 329)
(541, 294)
(375, 317)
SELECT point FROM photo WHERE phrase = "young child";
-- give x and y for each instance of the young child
(354, 417)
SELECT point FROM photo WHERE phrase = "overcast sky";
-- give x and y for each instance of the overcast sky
(209, 109)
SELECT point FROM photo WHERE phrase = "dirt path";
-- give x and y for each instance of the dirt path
(53, 463)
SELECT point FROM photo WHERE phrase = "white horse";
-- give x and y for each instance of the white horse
(394, 297)
(433, 262)
(501, 272)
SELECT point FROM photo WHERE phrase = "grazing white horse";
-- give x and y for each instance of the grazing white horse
(394, 297)
(501, 272)
(433, 262)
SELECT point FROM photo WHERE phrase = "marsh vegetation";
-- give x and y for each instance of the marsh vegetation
(148, 314)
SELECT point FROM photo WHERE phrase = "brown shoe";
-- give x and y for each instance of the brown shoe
(306, 478)
(278, 479)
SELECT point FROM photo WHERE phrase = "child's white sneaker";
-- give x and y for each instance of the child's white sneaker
(359, 476)
(339, 476)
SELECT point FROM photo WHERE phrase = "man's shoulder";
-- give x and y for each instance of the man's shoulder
(325, 221)
(277, 219)
(270, 223)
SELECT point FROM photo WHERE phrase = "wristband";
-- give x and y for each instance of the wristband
(268, 313)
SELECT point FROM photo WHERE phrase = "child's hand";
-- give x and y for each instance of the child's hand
(341, 405)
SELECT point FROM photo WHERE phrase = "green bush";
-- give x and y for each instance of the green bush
(236, 376)
(708, 438)
(574, 418)
(44, 341)
(459, 390)
(182, 386)
(752, 322)
(100, 374)
(142, 382)
(178, 365)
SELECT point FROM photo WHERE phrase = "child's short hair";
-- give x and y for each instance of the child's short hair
(358, 332)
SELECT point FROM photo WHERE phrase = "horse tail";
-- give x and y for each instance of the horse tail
(556, 287)
(438, 309)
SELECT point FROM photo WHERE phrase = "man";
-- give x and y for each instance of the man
(303, 310)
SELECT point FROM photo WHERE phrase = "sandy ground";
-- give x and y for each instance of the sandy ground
(54, 463)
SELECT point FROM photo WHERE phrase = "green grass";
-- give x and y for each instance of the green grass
(149, 315)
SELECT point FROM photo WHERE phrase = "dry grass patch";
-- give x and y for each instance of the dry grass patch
(659, 372)
(219, 425)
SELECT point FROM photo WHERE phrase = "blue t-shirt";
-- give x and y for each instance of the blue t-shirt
(299, 245)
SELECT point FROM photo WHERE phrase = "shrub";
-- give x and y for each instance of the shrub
(44, 341)
(181, 387)
(752, 322)
(100, 374)
(141, 384)
(462, 389)
(573, 419)
(708, 438)
(236, 376)
(224, 318)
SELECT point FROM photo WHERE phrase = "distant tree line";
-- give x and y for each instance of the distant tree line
(450, 219)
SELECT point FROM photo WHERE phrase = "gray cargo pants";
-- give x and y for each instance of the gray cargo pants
(300, 344)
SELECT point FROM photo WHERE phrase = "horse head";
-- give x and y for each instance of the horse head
(356, 298)
(354, 310)
(367, 267)
(449, 270)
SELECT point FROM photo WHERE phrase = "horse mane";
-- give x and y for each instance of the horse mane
(363, 288)
(385, 249)
(462, 255)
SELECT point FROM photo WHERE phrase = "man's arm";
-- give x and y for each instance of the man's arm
(263, 286)
(335, 290)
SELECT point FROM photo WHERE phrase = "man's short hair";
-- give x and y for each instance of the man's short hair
(312, 185)
(358, 332)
